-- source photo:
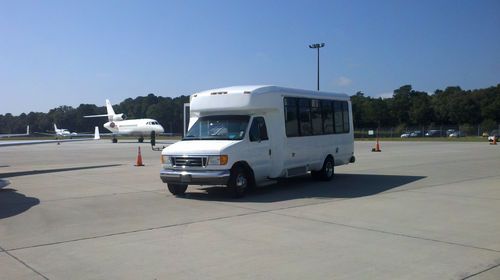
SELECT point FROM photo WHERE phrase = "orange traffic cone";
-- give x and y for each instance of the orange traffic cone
(377, 147)
(494, 140)
(138, 162)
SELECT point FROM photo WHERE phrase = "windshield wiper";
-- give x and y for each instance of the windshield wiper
(190, 137)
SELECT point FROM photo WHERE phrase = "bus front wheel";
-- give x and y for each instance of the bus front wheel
(177, 189)
(239, 182)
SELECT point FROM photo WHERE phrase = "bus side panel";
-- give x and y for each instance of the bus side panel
(276, 133)
(297, 152)
(344, 149)
(345, 142)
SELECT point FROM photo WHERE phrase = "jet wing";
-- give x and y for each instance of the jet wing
(73, 134)
(12, 135)
(17, 135)
(19, 143)
(34, 142)
(45, 133)
(96, 116)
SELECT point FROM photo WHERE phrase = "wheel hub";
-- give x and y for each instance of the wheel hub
(241, 181)
(329, 169)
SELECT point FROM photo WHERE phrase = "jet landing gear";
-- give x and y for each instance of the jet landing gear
(115, 140)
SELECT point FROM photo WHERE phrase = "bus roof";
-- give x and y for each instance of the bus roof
(263, 89)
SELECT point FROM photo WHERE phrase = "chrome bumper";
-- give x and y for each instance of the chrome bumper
(208, 177)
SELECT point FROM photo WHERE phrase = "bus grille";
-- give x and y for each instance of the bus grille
(190, 161)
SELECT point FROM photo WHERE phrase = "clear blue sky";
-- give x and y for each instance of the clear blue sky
(56, 53)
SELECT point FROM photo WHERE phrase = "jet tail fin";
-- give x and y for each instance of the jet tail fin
(109, 107)
(28, 130)
(110, 112)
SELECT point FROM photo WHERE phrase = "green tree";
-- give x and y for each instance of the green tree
(401, 104)
(421, 112)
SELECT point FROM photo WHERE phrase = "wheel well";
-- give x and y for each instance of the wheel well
(331, 157)
(321, 165)
(248, 169)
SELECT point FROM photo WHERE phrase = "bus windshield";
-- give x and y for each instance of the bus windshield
(225, 127)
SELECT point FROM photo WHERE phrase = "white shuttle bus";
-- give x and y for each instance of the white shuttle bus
(249, 136)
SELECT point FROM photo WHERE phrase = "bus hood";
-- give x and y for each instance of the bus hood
(198, 147)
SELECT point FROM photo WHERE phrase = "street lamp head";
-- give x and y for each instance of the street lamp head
(317, 46)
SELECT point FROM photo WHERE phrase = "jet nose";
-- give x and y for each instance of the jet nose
(160, 129)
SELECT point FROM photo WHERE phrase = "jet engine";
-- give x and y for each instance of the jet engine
(117, 117)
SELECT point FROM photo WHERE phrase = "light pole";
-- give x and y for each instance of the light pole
(317, 46)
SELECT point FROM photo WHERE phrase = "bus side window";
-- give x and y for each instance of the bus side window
(258, 130)
(337, 116)
(305, 127)
(291, 117)
(345, 116)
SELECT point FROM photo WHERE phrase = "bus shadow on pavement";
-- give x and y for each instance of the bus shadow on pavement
(46, 171)
(12, 202)
(341, 186)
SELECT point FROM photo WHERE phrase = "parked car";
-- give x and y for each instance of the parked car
(494, 135)
(450, 131)
(433, 133)
(458, 134)
(405, 135)
(416, 133)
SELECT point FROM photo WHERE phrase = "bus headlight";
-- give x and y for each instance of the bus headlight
(166, 161)
(217, 160)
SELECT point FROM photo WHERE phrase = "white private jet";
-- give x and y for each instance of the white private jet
(119, 126)
(17, 135)
(63, 132)
(33, 142)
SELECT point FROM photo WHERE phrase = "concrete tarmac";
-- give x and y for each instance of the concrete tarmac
(417, 210)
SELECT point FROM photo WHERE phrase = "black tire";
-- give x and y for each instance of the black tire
(239, 183)
(177, 189)
(316, 175)
(115, 140)
(141, 139)
(326, 173)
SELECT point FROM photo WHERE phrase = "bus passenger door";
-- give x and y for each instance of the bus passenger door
(260, 154)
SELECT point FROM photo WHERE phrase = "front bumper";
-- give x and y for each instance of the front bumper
(198, 177)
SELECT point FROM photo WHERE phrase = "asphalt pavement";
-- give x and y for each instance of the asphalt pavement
(417, 210)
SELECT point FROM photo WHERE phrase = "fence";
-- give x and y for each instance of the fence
(427, 131)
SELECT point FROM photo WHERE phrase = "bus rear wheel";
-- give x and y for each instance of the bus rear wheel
(327, 171)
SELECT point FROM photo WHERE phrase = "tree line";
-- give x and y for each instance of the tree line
(166, 110)
(407, 107)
